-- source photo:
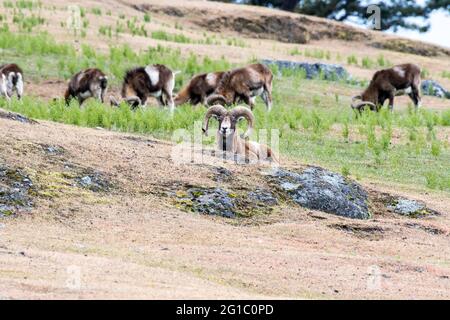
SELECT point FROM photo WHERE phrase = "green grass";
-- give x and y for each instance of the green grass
(97, 11)
(162, 35)
(445, 74)
(304, 135)
(314, 127)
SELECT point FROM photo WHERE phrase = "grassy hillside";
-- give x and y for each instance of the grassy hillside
(94, 205)
(313, 117)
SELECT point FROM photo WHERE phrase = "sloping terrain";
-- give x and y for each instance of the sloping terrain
(258, 22)
(128, 241)
(93, 213)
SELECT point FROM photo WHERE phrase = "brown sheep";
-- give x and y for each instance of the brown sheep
(387, 83)
(244, 84)
(199, 88)
(142, 82)
(85, 84)
(227, 136)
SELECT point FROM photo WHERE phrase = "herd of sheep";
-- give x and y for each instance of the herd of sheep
(216, 90)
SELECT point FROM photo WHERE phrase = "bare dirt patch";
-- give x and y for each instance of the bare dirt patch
(133, 243)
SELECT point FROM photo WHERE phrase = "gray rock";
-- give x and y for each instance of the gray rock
(229, 204)
(94, 181)
(15, 188)
(324, 71)
(319, 189)
(432, 88)
(52, 149)
(264, 197)
(86, 181)
(16, 117)
(212, 201)
(410, 208)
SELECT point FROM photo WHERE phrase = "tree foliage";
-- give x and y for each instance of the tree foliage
(394, 13)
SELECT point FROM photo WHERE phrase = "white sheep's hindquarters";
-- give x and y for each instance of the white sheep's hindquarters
(11, 81)
(227, 137)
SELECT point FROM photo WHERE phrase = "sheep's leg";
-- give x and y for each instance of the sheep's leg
(68, 99)
(249, 101)
(391, 101)
(102, 95)
(267, 100)
(160, 100)
(4, 89)
(267, 95)
(19, 87)
(80, 100)
(415, 96)
(144, 100)
(169, 97)
(203, 99)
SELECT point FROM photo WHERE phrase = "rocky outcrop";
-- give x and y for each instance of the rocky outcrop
(432, 88)
(16, 117)
(410, 208)
(319, 189)
(264, 23)
(316, 70)
(225, 203)
(15, 189)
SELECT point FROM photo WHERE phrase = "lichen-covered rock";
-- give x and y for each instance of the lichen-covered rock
(319, 189)
(16, 117)
(15, 187)
(212, 201)
(264, 197)
(229, 204)
(432, 88)
(324, 71)
(94, 181)
(410, 208)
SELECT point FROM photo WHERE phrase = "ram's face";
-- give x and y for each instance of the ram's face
(227, 125)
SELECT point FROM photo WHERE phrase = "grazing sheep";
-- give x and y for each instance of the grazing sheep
(227, 136)
(387, 83)
(199, 88)
(154, 80)
(86, 84)
(11, 80)
(244, 84)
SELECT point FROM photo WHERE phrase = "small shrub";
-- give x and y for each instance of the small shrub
(352, 60)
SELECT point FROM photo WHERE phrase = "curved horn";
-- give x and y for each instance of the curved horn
(245, 112)
(216, 99)
(113, 101)
(357, 97)
(133, 101)
(364, 103)
(217, 110)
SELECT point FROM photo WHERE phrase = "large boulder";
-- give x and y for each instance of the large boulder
(313, 70)
(319, 189)
(432, 88)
